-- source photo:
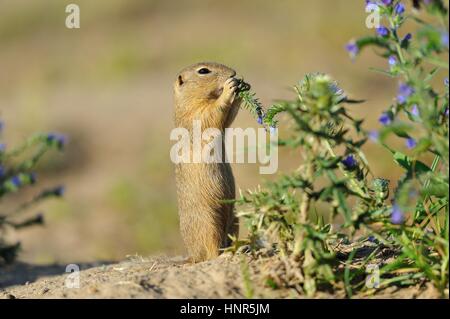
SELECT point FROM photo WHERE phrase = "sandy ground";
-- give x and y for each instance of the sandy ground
(159, 277)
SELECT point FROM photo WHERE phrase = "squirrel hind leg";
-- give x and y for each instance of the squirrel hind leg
(204, 246)
(209, 250)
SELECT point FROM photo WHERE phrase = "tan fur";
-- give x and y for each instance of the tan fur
(205, 221)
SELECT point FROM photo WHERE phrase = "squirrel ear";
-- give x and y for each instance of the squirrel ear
(180, 80)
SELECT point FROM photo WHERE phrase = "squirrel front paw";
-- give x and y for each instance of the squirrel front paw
(229, 92)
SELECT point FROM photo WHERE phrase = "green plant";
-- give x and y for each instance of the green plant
(16, 173)
(412, 223)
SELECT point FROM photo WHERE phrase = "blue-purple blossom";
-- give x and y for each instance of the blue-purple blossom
(404, 91)
(349, 161)
(446, 112)
(58, 138)
(371, 6)
(399, 8)
(401, 99)
(352, 48)
(260, 120)
(385, 119)
(392, 60)
(406, 39)
(411, 143)
(444, 39)
(397, 217)
(382, 31)
(59, 191)
(15, 180)
(386, 2)
(415, 110)
(374, 136)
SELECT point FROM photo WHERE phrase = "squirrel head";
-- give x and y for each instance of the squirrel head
(201, 81)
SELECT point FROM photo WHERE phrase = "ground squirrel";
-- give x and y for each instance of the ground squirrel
(206, 92)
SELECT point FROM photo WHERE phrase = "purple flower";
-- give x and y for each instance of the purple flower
(382, 31)
(406, 39)
(352, 48)
(404, 91)
(374, 136)
(386, 2)
(446, 112)
(392, 60)
(415, 110)
(444, 39)
(371, 6)
(349, 162)
(260, 120)
(15, 180)
(411, 143)
(446, 82)
(59, 139)
(397, 217)
(385, 119)
(401, 99)
(372, 239)
(399, 8)
(59, 191)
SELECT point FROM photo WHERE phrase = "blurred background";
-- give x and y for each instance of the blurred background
(108, 86)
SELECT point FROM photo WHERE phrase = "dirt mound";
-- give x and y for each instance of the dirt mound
(158, 277)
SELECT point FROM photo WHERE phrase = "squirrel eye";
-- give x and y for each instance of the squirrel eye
(204, 71)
